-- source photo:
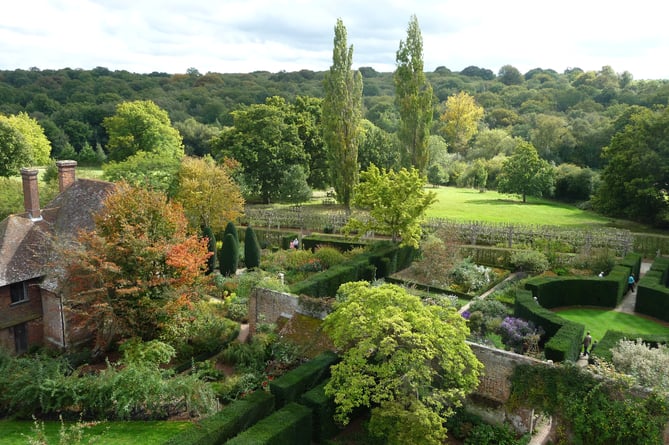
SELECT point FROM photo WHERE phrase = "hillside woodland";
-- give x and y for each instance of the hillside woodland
(603, 133)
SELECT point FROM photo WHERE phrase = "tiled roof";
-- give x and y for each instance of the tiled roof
(26, 245)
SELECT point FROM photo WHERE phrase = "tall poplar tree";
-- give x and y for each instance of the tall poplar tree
(413, 97)
(342, 111)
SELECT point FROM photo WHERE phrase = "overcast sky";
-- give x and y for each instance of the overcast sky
(234, 36)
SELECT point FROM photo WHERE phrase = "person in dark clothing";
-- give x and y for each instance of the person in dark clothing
(586, 343)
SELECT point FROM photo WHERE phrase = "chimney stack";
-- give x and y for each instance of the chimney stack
(31, 193)
(66, 174)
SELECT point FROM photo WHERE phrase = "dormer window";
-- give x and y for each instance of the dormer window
(18, 292)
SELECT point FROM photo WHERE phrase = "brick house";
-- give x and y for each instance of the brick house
(31, 305)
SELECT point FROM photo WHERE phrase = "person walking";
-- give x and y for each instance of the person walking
(586, 343)
(630, 283)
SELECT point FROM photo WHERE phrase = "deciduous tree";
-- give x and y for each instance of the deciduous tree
(266, 142)
(39, 147)
(208, 193)
(136, 268)
(460, 119)
(405, 360)
(413, 97)
(342, 111)
(13, 149)
(395, 201)
(141, 126)
(525, 173)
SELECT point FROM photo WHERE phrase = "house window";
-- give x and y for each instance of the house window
(19, 292)
(21, 338)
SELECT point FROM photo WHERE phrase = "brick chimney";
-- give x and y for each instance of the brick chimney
(66, 174)
(31, 193)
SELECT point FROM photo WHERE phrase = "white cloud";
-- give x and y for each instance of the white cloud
(243, 36)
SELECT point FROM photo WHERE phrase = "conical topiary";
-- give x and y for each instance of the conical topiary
(229, 258)
(251, 249)
(232, 229)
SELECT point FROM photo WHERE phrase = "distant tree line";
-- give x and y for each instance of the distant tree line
(600, 136)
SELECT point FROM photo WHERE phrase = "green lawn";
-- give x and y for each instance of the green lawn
(471, 205)
(108, 433)
(599, 321)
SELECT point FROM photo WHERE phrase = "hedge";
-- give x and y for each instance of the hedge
(340, 243)
(323, 410)
(575, 291)
(227, 423)
(383, 260)
(564, 337)
(292, 384)
(291, 425)
(652, 297)
(612, 338)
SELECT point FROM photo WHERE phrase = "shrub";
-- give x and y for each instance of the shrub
(648, 365)
(329, 256)
(251, 249)
(229, 258)
(471, 277)
(519, 334)
(529, 261)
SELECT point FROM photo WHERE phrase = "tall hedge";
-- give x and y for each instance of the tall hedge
(229, 258)
(251, 249)
(211, 247)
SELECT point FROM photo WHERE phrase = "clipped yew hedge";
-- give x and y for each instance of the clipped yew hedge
(382, 260)
(227, 423)
(564, 337)
(652, 297)
(291, 425)
(290, 386)
(323, 409)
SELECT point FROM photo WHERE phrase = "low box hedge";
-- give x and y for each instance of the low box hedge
(228, 422)
(290, 386)
(291, 425)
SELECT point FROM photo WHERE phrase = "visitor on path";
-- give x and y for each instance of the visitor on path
(630, 283)
(587, 340)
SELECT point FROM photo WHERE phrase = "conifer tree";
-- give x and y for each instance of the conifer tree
(229, 259)
(251, 249)
(211, 247)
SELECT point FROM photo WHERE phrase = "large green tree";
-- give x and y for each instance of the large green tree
(525, 173)
(141, 126)
(413, 97)
(266, 142)
(405, 360)
(635, 180)
(13, 149)
(342, 111)
(39, 147)
(394, 203)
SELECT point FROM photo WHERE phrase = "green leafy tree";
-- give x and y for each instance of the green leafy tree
(635, 180)
(229, 256)
(141, 126)
(405, 360)
(208, 193)
(525, 173)
(413, 98)
(251, 249)
(294, 188)
(39, 147)
(342, 111)
(265, 141)
(309, 111)
(377, 147)
(14, 152)
(148, 170)
(139, 266)
(395, 203)
(460, 119)
(197, 137)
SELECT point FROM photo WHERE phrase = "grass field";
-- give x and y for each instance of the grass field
(108, 433)
(599, 321)
(465, 204)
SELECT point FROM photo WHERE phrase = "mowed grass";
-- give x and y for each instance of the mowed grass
(108, 433)
(598, 321)
(465, 204)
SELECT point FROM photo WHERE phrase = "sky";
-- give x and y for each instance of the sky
(241, 36)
